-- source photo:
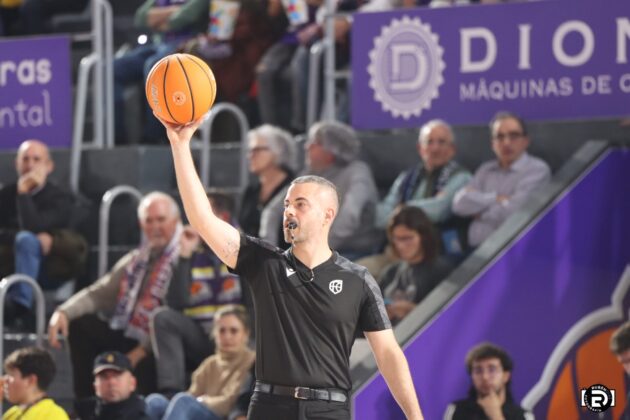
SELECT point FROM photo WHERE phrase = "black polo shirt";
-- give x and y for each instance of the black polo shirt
(305, 329)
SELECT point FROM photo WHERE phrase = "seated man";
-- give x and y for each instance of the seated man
(28, 373)
(35, 215)
(172, 22)
(332, 152)
(490, 396)
(501, 187)
(115, 387)
(114, 312)
(181, 335)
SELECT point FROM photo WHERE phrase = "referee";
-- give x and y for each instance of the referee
(309, 301)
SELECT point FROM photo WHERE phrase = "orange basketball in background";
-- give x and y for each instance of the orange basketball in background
(180, 88)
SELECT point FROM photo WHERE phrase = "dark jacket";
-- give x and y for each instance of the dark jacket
(133, 408)
(468, 409)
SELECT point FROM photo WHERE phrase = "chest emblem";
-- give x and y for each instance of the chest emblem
(336, 286)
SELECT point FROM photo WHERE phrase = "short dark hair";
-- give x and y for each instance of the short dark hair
(33, 361)
(504, 115)
(486, 351)
(620, 340)
(415, 218)
(221, 202)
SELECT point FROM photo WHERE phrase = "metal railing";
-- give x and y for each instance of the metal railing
(40, 308)
(206, 136)
(101, 60)
(314, 64)
(103, 227)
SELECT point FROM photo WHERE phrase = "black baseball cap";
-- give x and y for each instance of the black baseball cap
(114, 360)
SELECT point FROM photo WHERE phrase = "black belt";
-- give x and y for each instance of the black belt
(302, 392)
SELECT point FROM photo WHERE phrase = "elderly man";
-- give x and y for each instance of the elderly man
(35, 215)
(432, 183)
(114, 312)
(501, 187)
(332, 151)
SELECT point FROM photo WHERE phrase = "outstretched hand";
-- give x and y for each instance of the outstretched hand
(178, 134)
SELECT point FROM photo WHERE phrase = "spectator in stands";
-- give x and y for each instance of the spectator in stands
(233, 61)
(29, 372)
(500, 187)
(620, 346)
(420, 269)
(172, 22)
(217, 382)
(115, 386)
(332, 151)
(181, 334)
(114, 312)
(271, 153)
(36, 239)
(490, 397)
(277, 93)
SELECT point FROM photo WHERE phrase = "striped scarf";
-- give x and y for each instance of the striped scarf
(136, 304)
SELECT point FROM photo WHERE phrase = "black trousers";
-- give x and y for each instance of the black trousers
(278, 407)
(88, 337)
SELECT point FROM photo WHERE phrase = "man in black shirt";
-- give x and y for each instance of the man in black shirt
(309, 301)
(35, 217)
(490, 397)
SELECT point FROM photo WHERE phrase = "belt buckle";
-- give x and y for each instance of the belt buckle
(298, 395)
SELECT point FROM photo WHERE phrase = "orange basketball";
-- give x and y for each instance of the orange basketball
(180, 88)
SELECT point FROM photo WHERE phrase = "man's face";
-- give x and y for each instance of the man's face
(16, 386)
(624, 359)
(113, 386)
(508, 141)
(488, 376)
(437, 148)
(310, 207)
(159, 223)
(33, 155)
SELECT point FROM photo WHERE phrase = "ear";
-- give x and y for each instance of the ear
(134, 382)
(506, 377)
(50, 166)
(329, 215)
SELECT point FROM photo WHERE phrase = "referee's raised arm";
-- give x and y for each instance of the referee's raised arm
(220, 236)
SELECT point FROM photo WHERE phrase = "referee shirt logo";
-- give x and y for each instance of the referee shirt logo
(336, 286)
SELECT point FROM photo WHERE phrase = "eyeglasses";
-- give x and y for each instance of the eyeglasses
(510, 135)
(438, 141)
(231, 330)
(257, 149)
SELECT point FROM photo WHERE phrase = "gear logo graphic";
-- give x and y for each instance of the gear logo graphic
(406, 67)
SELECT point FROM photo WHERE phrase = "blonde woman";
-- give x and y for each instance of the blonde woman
(217, 382)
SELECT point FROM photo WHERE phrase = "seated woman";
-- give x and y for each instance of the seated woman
(408, 281)
(216, 384)
(272, 160)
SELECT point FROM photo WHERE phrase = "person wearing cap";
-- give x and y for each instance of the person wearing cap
(115, 387)
(332, 151)
(29, 372)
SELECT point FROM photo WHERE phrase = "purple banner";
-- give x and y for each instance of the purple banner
(35, 91)
(551, 300)
(543, 60)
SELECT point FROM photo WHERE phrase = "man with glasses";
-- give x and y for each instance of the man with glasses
(490, 396)
(500, 187)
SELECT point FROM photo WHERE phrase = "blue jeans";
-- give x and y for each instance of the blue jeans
(131, 68)
(28, 260)
(183, 406)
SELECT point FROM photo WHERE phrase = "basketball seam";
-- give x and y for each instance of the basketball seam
(192, 99)
(208, 76)
(168, 62)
